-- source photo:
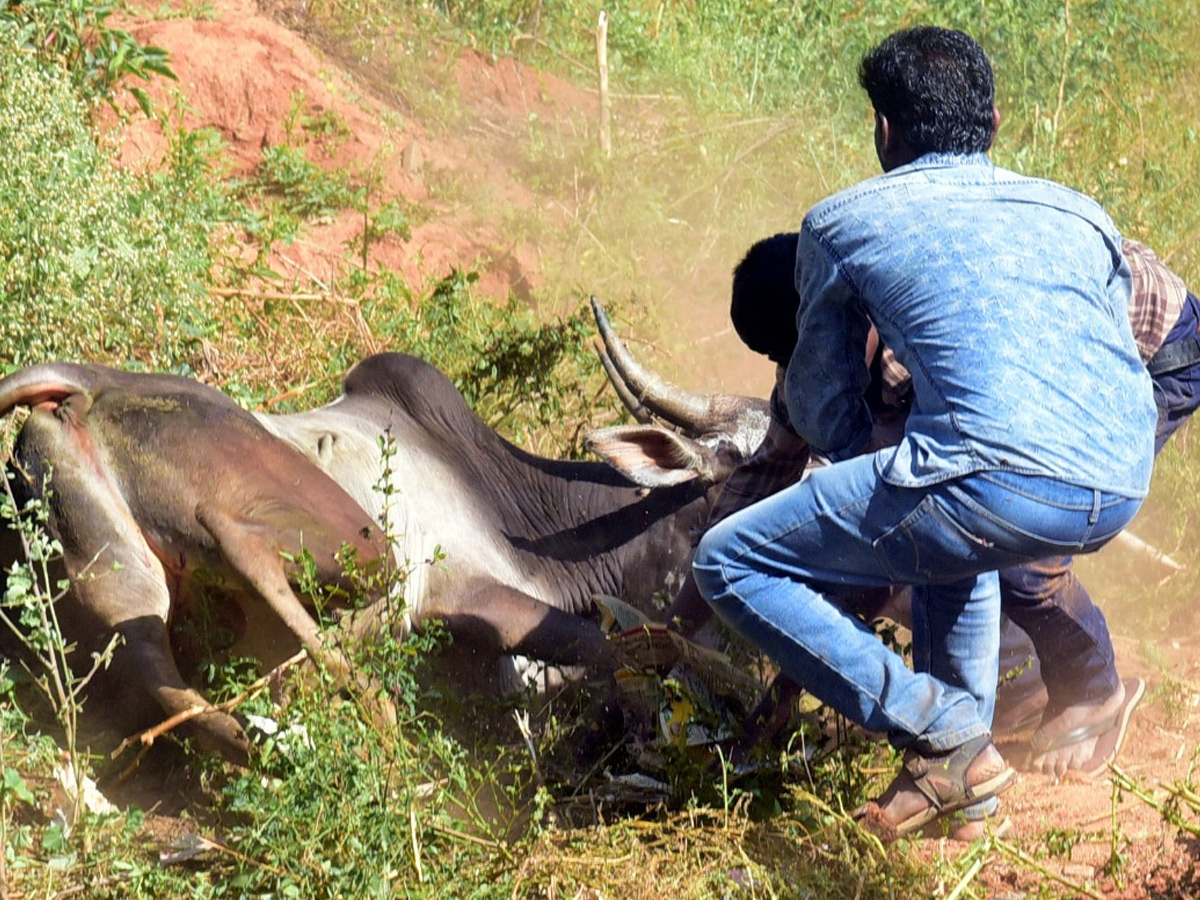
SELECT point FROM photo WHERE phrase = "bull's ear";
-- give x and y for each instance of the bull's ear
(655, 457)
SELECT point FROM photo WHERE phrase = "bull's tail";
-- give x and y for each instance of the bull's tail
(47, 383)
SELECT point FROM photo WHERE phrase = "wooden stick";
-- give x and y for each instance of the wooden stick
(147, 738)
(1131, 541)
(263, 295)
(289, 394)
(602, 71)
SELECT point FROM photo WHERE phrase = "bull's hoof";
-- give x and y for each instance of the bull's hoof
(219, 732)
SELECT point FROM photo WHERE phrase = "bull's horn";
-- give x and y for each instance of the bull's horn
(692, 412)
(628, 400)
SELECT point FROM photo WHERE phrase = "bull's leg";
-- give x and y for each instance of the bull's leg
(122, 591)
(503, 621)
(145, 659)
(118, 585)
(256, 558)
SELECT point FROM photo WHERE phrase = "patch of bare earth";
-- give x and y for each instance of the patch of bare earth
(245, 76)
(255, 82)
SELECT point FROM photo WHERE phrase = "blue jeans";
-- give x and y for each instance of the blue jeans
(1059, 627)
(769, 569)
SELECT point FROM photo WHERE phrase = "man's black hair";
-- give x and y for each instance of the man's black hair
(765, 299)
(935, 87)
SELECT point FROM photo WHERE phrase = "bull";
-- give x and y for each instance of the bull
(527, 541)
(156, 480)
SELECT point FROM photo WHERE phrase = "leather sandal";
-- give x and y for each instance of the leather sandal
(930, 786)
(1111, 732)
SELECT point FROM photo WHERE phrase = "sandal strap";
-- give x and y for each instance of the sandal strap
(943, 779)
(1040, 744)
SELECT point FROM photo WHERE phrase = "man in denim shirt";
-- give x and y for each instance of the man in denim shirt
(985, 284)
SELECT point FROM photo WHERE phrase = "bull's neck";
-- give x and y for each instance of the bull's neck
(586, 521)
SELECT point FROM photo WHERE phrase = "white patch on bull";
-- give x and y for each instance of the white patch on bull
(433, 529)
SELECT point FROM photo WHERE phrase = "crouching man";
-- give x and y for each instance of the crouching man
(1018, 446)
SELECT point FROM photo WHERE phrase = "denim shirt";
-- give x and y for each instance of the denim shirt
(1006, 299)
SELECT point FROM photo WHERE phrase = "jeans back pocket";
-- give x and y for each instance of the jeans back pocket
(929, 546)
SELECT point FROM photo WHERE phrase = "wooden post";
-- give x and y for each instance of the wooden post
(602, 71)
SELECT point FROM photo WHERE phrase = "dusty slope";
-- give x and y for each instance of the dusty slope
(253, 81)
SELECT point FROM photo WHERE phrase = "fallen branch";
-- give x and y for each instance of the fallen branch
(106, 881)
(197, 843)
(265, 295)
(534, 39)
(784, 125)
(471, 838)
(150, 735)
(289, 394)
(1131, 541)
(1014, 852)
(1169, 811)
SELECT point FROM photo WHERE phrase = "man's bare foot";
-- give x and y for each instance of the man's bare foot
(1082, 738)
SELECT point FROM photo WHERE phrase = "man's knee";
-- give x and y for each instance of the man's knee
(708, 566)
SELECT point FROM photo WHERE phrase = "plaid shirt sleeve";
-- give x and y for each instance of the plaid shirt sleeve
(1156, 300)
(778, 462)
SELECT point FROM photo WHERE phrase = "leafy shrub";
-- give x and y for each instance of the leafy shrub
(93, 261)
(521, 373)
(73, 34)
(305, 189)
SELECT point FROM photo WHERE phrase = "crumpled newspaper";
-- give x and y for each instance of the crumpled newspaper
(72, 799)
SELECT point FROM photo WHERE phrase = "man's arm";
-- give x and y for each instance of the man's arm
(779, 462)
(828, 374)
(1156, 299)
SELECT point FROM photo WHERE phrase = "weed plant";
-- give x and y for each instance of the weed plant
(75, 37)
(90, 257)
(731, 118)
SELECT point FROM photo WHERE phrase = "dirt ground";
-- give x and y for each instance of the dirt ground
(244, 73)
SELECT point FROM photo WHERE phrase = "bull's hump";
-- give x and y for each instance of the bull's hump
(412, 385)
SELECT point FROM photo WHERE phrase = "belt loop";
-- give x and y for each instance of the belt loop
(1094, 517)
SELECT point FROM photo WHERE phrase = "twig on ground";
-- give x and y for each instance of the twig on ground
(149, 736)
(1016, 853)
(264, 294)
(472, 839)
(106, 881)
(203, 843)
(289, 394)
(1169, 813)
(785, 125)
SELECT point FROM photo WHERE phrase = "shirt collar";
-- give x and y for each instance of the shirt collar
(935, 159)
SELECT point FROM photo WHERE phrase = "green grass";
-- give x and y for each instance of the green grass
(89, 256)
(732, 118)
